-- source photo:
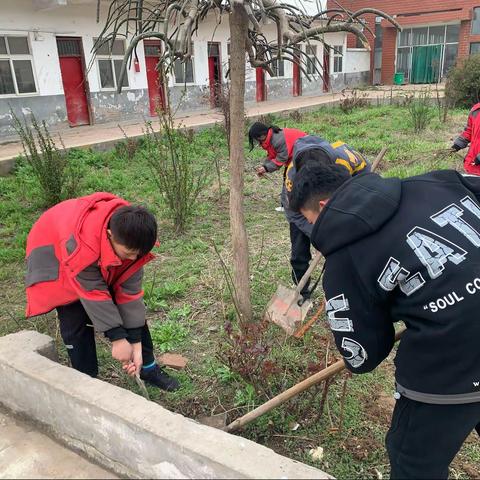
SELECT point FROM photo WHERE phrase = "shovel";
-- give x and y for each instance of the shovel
(284, 309)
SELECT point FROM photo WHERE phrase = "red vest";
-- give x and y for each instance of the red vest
(291, 136)
(64, 241)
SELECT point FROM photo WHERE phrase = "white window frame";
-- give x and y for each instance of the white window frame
(13, 56)
(112, 58)
(337, 55)
(192, 59)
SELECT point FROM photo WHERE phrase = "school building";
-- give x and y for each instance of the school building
(436, 34)
(47, 67)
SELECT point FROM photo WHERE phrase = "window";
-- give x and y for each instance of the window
(403, 60)
(278, 68)
(405, 38)
(474, 48)
(311, 51)
(183, 70)
(109, 61)
(16, 71)
(451, 52)
(436, 35)
(453, 32)
(476, 21)
(420, 36)
(444, 35)
(338, 59)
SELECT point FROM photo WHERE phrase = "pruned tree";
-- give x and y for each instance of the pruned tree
(176, 21)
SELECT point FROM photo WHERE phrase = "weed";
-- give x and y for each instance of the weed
(348, 103)
(420, 110)
(169, 335)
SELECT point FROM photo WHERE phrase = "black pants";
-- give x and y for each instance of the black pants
(79, 338)
(424, 438)
(300, 255)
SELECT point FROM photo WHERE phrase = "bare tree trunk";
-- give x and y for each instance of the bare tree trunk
(238, 34)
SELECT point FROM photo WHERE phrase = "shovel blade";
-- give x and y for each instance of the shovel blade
(283, 309)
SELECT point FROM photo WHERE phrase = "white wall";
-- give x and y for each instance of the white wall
(43, 26)
(19, 17)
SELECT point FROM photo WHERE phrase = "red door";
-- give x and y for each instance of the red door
(73, 79)
(261, 86)
(214, 73)
(326, 69)
(156, 87)
(297, 80)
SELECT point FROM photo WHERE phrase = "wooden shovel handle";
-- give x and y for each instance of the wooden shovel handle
(308, 273)
(378, 159)
(292, 392)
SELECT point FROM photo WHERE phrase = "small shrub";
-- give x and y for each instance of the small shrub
(180, 177)
(355, 100)
(463, 83)
(246, 352)
(57, 175)
(420, 110)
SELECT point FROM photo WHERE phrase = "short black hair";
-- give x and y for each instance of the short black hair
(314, 183)
(257, 130)
(312, 156)
(135, 227)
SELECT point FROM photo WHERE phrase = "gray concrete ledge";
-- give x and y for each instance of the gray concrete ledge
(122, 431)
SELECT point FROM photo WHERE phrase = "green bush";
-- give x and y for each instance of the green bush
(175, 169)
(57, 176)
(463, 83)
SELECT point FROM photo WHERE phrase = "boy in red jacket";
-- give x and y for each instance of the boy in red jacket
(85, 258)
(471, 135)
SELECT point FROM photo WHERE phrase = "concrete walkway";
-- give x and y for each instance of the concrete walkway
(27, 453)
(103, 136)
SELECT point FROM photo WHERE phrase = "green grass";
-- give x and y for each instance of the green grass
(188, 300)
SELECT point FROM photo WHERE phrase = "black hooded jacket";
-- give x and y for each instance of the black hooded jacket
(407, 250)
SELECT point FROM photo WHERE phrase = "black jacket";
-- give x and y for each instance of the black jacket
(407, 250)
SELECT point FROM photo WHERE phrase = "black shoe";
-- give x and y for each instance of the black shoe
(157, 377)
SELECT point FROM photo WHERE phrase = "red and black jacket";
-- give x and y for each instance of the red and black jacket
(70, 258)
(279, 147)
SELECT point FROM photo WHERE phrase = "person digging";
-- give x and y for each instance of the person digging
(309, 150)
(85, 258)
(404, 250)
(278, 143)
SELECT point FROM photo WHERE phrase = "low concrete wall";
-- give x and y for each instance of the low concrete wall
(123, 431)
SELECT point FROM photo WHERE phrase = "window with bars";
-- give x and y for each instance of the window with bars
(311, 51)
(16, 69)
(183, 70)
(278, 68)
(337, 52)
(109, 61)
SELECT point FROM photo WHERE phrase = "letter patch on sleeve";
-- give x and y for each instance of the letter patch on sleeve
(337, 323)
